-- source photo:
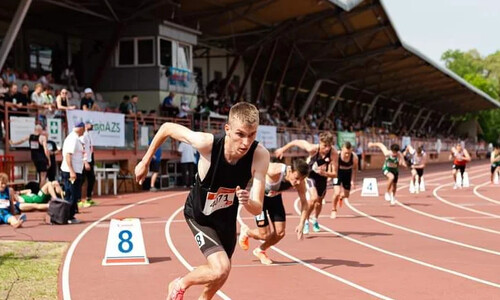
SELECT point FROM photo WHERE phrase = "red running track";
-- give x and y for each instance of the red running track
(436, 244)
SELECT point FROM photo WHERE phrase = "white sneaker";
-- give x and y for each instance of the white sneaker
(393, 200)
(455, 186)
(417, 190)
(333, 215)
(387, 197)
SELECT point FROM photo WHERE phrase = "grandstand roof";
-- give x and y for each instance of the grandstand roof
(355, 44)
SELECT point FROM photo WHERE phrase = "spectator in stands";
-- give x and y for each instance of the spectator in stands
(88, 162)
(4, 89)
(124, 105)
(39, 151)
(68, 77)
(169, 100)
(14, 97)
(187, 163)
(72, 167)
(87, 102)
(62, 103)
(9, 77)
(184, 109)
(7, 208)
(36, 96)
(48, 97)
(132, 107)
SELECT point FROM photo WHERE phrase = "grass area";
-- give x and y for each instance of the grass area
(28, 270)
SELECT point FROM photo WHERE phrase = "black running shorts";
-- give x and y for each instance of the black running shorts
(273, 206)
(211, 240)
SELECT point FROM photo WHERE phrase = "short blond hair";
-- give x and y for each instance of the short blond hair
(326, 137)
(4, 177)
(246, 112)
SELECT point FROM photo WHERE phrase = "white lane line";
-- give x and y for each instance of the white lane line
(323, 272)
(71, 250)
(427, 235)
(413, 260)
(434, 192)
(405, 206)
(177, 253)
(483, 196)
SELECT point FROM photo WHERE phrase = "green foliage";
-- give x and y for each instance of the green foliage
(483, 73)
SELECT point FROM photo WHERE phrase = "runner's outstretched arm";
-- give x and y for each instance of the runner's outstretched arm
(199, 140)
(302, 144)
(301, 190)
(382, 147)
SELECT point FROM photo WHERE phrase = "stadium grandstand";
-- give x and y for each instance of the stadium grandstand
(309, 66)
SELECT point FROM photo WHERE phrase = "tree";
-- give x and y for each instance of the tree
(483, 73)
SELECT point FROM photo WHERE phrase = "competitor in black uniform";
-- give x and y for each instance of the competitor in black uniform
(279, 178)
(346, 166)
(39, 152)
(227, 162)
(320, 157)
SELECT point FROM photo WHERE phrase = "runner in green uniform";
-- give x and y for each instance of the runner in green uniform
(393, 159)
(39, 201)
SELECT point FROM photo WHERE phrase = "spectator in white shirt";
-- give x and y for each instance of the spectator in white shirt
(72, 167)
(187, 163)
(88, 162)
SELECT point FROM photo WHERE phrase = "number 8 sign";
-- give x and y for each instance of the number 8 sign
(125, 244)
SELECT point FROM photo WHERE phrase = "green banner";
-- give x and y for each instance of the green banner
(346, 136)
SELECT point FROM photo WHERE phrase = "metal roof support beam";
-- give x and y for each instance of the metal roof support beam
(440, 121)
(271, 57)
(398, 111)
(370, 109)
(282, 77)
(312, 94)
(426, 119)
(334, 102)
(13, 30)
(111, 10)
(297, 88)
(416, 119)
(77, 7)
(249, 74)
(451, 126)
(229, 74)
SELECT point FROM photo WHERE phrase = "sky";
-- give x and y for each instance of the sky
(434, 26)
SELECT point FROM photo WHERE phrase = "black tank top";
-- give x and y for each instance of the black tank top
(317, 161)
(343, 165)
(212, 202)
(37, 152)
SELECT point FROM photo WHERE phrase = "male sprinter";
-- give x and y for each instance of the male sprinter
(393, 159)
(346, 166)
(418, 161)
(227, 162)
(320, 157)
(460, 158)
(495, 162)
(279, 178)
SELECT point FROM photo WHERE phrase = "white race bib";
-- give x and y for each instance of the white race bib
(4, 203)
(222, 199)
(34, 145)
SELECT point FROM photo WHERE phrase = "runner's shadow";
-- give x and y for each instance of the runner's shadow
(153, 260)
(362, 234)
(329, 263)
(416, 204)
